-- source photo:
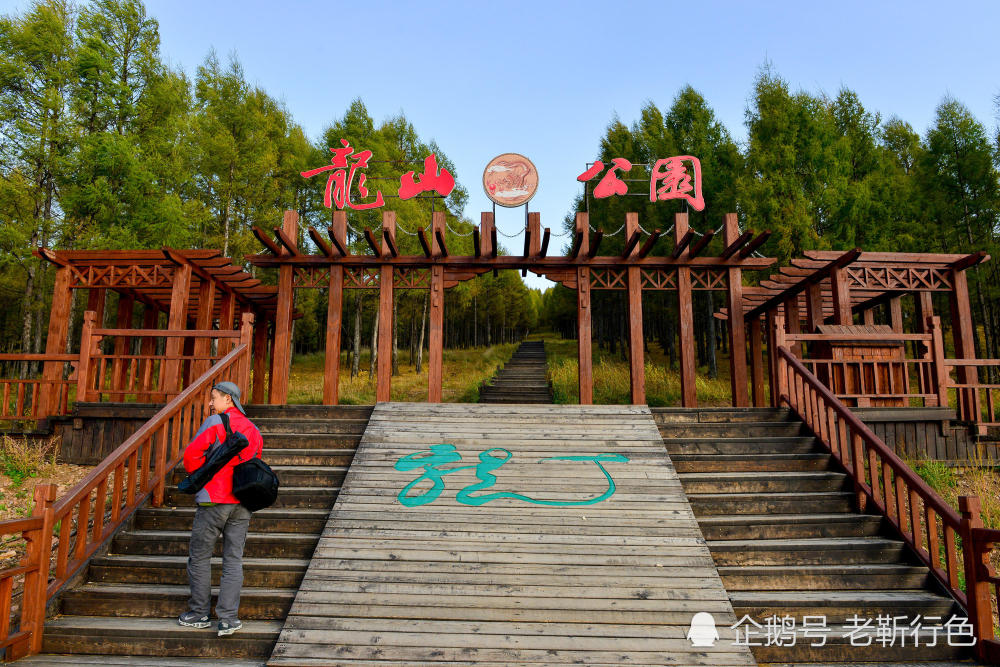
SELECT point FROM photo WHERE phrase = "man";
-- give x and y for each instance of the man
(218, 512)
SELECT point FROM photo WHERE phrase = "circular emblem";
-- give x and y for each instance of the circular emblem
(510, 179)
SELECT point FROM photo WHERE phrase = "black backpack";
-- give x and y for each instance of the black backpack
(254, 483)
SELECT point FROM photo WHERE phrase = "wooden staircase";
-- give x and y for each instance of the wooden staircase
(522, 379)
(779, 520)
(131, 597)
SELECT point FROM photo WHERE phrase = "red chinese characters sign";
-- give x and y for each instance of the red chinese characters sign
(338, 184)
(669, 179)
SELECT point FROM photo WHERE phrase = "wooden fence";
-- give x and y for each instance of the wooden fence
(882, 481)
(89, 514)
(19, 397)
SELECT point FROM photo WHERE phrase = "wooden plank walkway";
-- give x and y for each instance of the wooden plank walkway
(456, 570)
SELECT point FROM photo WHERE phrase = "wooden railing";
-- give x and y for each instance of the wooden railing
(91, 512)
(975, 400)
(882, 481)
(19, 397)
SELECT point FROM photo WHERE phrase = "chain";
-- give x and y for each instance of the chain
(457, 233)
(510, 236)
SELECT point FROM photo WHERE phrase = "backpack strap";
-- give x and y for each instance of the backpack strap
(225, 422)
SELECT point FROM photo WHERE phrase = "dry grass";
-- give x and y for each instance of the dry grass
(463, 372)
(612, 380)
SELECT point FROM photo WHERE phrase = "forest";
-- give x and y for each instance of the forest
(104, 145)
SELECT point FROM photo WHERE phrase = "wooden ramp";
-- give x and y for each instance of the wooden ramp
(490, 564)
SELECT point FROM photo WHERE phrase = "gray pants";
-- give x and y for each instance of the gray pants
(232, 521)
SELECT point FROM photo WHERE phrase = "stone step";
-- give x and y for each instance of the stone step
(766, 503)
(50, 660)
(684, 463)
(294, 475)
(805, 551)
(839, 606)
(754, 482)
(824, 577)
(710, 415)
(161, 637)
(733, 429)
(288, 496)
(788, 526)
(305, 456)
(837, 649)
(304, 440)
(136, 569)
(175, 543)
(159, 600)
(272, 425)
(744, 446)
(265, 411)
(285, 520)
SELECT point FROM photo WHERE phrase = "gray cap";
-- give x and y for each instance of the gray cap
(231, 390)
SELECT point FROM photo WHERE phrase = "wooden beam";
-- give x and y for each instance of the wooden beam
(598, 237)
(203, 321)
(842, 313)
(647, 246)
(736, 244)
(390, 243)
(372, 243)
(281, 360)
(820, 274)
(756, 363)
(423, 241)
(287, 239)
(577, 244)
(969, 261)
(682, 244)
(323, 246)
(494, 246)
(702, 243)
(630, 243)
(439, 235)
(265, 240)
(545, 243)
(486, 236)
(341, 246)
(689, 395)
(477, 251)
(259, 394)
(756, 243)
(585, 368)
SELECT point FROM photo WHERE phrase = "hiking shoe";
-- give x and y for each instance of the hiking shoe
(229, 627)
(194, 619)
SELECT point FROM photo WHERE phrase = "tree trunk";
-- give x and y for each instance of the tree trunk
(713, 365)
(395, 339)
(356, 343)
(420, 342)
(374, 355)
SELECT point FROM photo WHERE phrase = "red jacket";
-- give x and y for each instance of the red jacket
(212, 434)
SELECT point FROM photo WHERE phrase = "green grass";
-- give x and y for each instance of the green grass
(462, 374)
(612, 380)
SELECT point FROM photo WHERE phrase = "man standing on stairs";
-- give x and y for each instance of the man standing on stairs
(218, 512)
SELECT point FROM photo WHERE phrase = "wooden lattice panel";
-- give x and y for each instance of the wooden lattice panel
(608, 279)
(361, 278)
(131, 276)
(709, 279)
(312, 276)
(659, 279)
(902, 278)
(412, 279)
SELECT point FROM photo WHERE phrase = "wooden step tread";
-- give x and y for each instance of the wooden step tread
(850, 568)
(781, 519)
(174, 535)
(135, 626)
(792, 475)
(132, 560)
(804, 543)
(776, 495)
(270, 512)
(867, 597)
(53, 660)
(164, 590)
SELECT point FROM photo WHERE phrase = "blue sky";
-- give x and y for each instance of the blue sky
(545, 78)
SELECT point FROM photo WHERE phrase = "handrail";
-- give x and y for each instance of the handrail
(882, 480)
(102, 501)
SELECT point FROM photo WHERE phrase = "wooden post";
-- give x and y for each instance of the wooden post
(147, 348)
(55, 343)
(977, 568)
(95, 302)
(962, 330)
(868, 316)
(435, 355)
(334, 317)
(772, 356)
(85, 367)
(780, 386)
(637, 364)
(281, 361)
(259, 394)
(923, 311)
(203, 345)
(939, 372)
(737, 330)
(270, 372)
(246, 338)
(120, 368)
(896, 314)
(383, 386)
(757, 363)
(689, 395)
(793, 325)
(814, 307)
(36, 582)
(842, 313)
(227, 320)
(535, 228)
(177, 319)
(486, 225)
(585, 369)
